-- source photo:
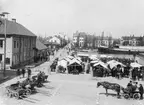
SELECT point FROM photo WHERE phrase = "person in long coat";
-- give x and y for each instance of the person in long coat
(141, 91)
(134, 73)
(23, 72)
(29, 72)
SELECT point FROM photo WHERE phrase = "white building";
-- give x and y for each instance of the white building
(55, 40)
(74, 39)
(81, 41)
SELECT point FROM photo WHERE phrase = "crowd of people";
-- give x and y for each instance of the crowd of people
(124, 61)
(137, 73)
(120, 71)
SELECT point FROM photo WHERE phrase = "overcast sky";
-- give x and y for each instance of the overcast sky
(118, 17)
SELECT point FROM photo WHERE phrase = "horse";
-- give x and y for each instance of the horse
(113, 86)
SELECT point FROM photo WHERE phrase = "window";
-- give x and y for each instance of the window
(7, 60)
(25, 43)
(17, 45)
(0, 57)
(1, 43)
(14, 44)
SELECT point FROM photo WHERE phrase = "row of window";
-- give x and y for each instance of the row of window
(16, 44)
(22, 58)
(81, 39)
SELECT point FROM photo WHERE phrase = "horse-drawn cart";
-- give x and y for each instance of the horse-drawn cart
(17, 92)
(127, 94)
(26, 87)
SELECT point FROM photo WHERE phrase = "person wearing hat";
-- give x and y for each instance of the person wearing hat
(129, 84)
(23, 72)
(129, 87)
(135, 86)
(29, 72)
(141, 90)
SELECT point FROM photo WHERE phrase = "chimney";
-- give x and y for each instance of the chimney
(14, 20)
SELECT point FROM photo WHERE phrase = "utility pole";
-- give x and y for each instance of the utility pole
(5, 31)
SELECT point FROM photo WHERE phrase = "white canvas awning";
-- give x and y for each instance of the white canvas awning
(85, 55)
(95, 61)
(67, 59)
(70, 57)
(114, 63)
(102, 64)
(109, 56)
(93, 57)
(74, 61)
(62, 63)
(103, 56)
(79, 59)
(135, 64)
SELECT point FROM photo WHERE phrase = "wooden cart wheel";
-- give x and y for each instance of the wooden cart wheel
(136, 96)
(11, 95)
(126, 96)
(28, 91)
(7, 93)
(17, 95)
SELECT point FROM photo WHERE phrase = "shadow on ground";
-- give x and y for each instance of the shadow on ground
(9, 74)
(109, 94)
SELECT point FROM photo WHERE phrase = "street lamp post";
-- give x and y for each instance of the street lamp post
(5, 31)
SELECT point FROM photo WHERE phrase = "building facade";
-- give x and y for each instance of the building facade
(79, 39)
(132, 41)
(20, 44)
(83, 40)
(55, 40)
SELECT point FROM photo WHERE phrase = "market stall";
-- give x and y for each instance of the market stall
(100, 69)
(114, 63)
(75, 67)
(84, 57)
(62, 66)
(93, 57)
(135, 65)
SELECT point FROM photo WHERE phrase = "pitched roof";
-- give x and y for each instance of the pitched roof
(134, 64)
(57, 37)
(131, 37)
(14, 28)
(74, 61)
(51, 43)
(40, 46)
(102, 64)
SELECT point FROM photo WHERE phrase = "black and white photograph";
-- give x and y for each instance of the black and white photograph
(71, 52)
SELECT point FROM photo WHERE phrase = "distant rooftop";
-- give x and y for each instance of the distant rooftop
(40, 46)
